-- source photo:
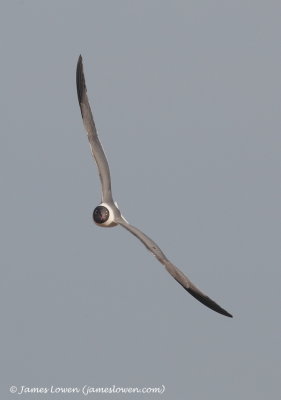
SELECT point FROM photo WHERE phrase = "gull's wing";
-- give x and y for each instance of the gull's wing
(90, 127)
(174, 271)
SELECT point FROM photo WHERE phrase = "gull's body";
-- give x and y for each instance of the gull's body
(107, 214)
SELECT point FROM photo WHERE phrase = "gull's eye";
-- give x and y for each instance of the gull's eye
(100, 214)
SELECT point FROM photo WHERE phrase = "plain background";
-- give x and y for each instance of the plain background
(186, 98)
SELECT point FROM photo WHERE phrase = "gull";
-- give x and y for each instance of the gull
(107, 213)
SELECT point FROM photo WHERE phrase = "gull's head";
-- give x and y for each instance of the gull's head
(103, 215)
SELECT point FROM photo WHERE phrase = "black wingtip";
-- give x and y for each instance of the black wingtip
(209, 303)
(80, 80)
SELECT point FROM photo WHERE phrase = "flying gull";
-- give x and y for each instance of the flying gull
(107, 213)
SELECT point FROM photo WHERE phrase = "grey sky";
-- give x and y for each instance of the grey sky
(186, 99)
